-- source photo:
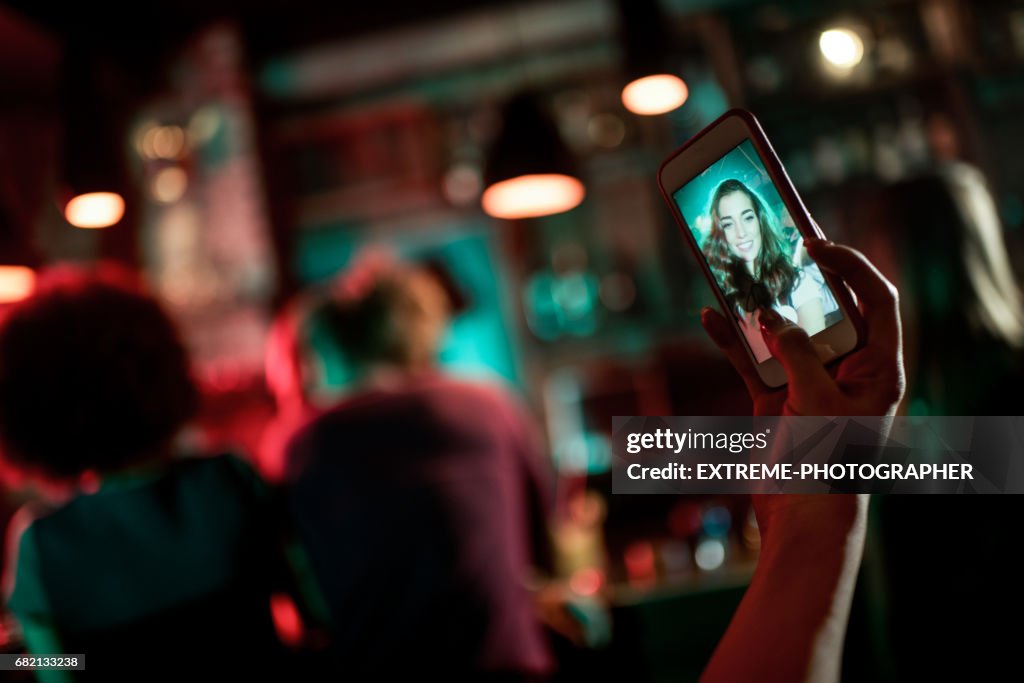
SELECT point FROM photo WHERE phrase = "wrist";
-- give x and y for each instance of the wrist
(810, 522)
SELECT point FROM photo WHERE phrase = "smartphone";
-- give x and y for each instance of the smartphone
(745, 223)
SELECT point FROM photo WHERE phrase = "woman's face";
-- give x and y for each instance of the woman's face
(738, 220)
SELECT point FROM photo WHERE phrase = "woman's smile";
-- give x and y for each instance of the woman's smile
(738, 220)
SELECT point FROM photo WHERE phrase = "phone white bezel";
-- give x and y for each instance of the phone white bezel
(693, 159)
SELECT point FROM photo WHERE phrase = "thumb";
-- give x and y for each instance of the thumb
(810, 385)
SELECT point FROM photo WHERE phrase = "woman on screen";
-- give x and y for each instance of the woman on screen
(750, 261)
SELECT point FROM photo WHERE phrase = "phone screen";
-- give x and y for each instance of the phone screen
(753, 248)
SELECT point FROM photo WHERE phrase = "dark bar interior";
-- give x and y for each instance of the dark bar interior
(314, 318)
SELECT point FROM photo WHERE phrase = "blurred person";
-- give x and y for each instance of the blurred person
(422, 499)
(295, 366)
(950, 570)
(748, 256)
(149, 563)
(964, 312)
(288, 374)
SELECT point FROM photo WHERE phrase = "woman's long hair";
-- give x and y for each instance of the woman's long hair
(955, 255)
(774, 273)
(960, 295)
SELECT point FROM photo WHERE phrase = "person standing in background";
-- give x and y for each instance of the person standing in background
(150, 562)
(423, 499)
(964, 341)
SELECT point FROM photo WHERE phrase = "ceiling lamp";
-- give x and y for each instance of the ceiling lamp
(16, 282)
(655, 94)
(652, 88)
(841, 46)
(529, 172)
(17, 277)
(92, 174)
(94, 209)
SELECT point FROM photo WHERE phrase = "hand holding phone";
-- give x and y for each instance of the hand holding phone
(868, 381)
(746, 225)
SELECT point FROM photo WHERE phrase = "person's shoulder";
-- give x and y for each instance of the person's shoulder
(808, 283)
(484, 393)
(307, 429)
(501, 401)
(191, 474)
(20, 565)
(303, 442)
(26, 517)
(193, 465)
(228, 462)
(19, 552)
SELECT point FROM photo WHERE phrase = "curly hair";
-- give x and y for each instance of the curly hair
(93, 375)
(774, 274)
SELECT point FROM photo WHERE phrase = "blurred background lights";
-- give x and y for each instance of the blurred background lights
(95, 210)
(530, 196)
(716, 521)
(529, 170)
(655, 94)
(462, 184)
(641, 562)
(203, 125)
(142, 136)
(618, 292)
(16, 283)
(586, 581)
(676, 557)
(606, 130)
(169, 184)
(841, 47)
(710, 554)
(161, 142)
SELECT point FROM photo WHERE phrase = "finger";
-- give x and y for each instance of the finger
(725, 338)
(809, 381)
(878, 298)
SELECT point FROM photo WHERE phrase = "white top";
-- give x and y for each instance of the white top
(810, 284)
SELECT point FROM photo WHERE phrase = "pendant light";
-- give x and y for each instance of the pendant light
(92, 178)
(652, 88)
(17, 275)
(530, 172)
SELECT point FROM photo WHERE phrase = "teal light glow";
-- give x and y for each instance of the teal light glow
(479, 341)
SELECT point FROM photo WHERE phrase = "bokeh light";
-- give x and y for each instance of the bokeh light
(532, 196)
(710, 554)
(161, 142)
(95, 210)
(586, 581)
(169, 184)
(656, 94)
(606, 130)
(16, 283)
(841, 47)
(462, 184)
(641, 562)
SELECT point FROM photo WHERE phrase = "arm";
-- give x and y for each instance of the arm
(26, 596)
(791, 622)
(792, 619)
(538, 479)
(42, 639)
